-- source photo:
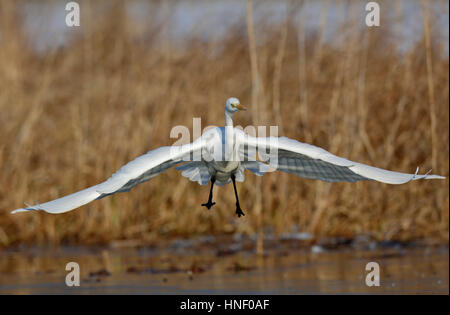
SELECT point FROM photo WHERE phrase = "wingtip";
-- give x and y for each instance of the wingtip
(435, 177)
(28, 208)
(20, 210)
(427, 175)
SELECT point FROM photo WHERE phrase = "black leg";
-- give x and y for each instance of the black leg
(239, 211)
(209, 204)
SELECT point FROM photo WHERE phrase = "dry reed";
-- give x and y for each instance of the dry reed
(72, 116)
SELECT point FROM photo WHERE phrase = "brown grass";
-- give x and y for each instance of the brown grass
(71, 117)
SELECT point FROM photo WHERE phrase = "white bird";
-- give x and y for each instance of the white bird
(221, 155)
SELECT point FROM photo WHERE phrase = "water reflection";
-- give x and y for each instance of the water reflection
(163, 271)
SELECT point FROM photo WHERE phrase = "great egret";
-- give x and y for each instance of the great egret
(221, 155)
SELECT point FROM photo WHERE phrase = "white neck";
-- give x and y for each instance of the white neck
(228, 118)
(229, 136)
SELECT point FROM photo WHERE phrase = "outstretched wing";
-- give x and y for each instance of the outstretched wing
(135, 172)
(309, 161)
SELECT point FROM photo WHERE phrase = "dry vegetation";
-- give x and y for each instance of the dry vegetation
(72, 116)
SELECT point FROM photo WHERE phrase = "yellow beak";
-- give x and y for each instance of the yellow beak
(240, 107)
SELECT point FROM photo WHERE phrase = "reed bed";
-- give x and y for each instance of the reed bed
(72, 115)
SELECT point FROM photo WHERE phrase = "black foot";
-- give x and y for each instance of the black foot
(209, 204)
(239, 211)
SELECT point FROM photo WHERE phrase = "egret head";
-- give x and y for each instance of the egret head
(233, 105)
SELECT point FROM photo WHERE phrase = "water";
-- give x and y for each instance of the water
(186, 269)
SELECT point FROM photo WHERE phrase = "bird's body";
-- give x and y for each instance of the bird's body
(220, 156)
(222, 170)
(222, 165)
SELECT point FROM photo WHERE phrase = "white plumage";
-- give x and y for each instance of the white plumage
(221, 155)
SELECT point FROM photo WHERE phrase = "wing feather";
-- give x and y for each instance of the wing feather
(128, 176)
(309, 161)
